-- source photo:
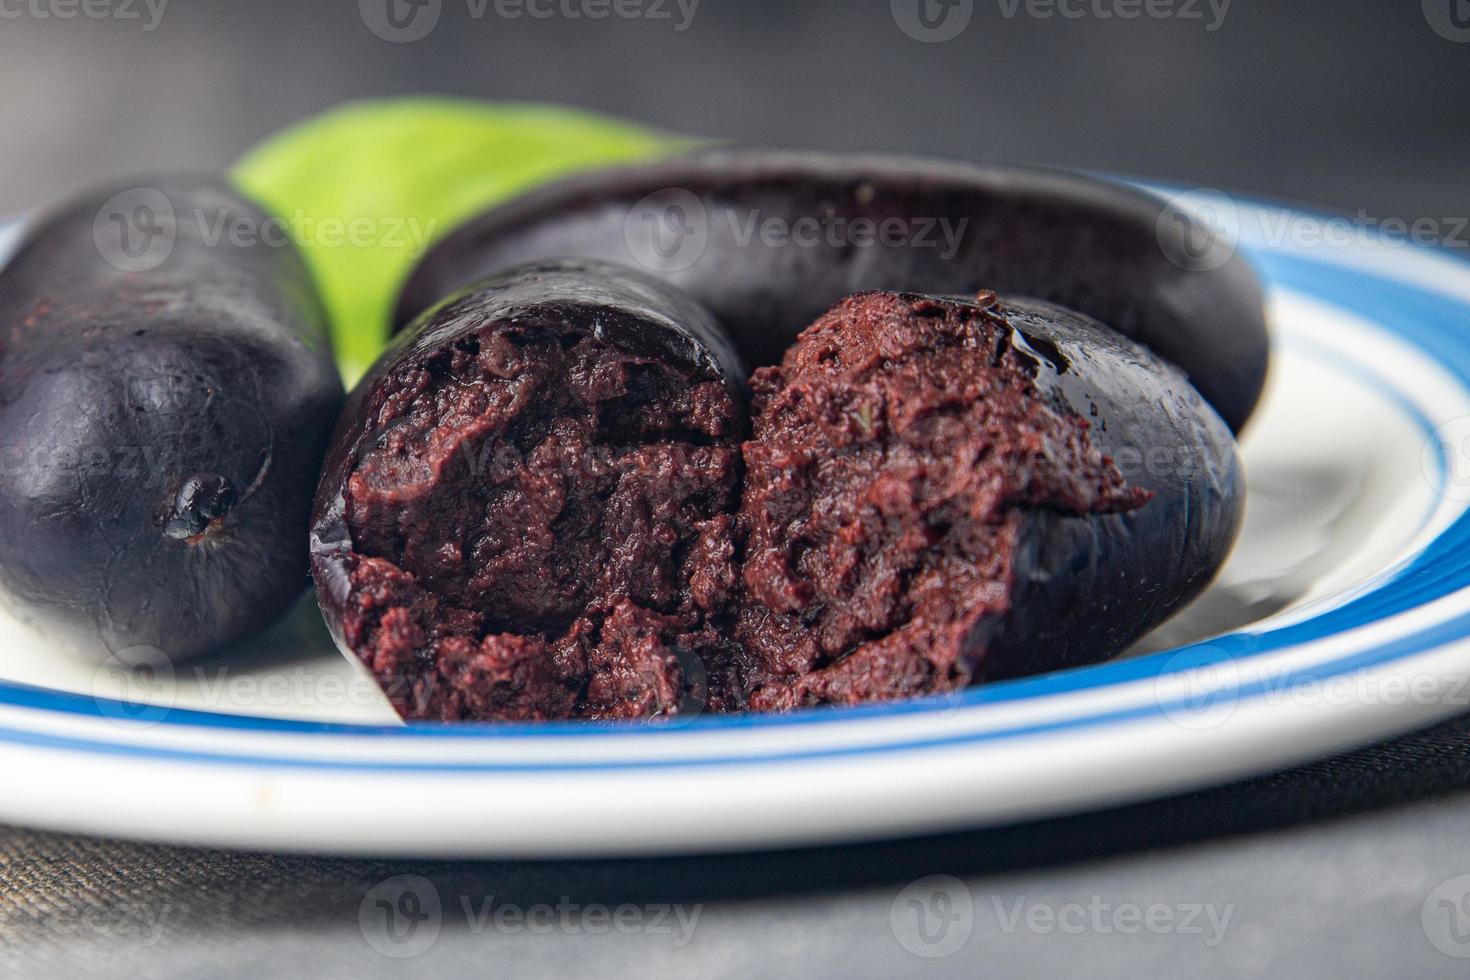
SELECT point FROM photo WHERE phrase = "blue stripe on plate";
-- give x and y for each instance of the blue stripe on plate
(1429, 321)
(1428, 639)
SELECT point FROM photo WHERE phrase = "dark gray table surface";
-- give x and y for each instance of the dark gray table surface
(1345, 868)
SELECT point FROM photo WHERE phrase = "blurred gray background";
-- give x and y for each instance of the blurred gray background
(1349, 105)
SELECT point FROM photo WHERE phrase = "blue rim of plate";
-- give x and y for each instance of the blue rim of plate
(1407, 303)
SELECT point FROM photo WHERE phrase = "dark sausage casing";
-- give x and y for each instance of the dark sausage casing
(166, 394)
(768, 240)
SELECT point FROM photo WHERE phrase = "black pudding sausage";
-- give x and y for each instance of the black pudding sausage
(167, 390)
(768, 240)
(944, 491)
(526, 508)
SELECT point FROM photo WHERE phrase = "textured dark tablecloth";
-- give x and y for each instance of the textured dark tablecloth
(1346, 868)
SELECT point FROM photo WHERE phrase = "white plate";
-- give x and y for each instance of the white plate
(1338, 621)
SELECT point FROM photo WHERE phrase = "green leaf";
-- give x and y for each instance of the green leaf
(366, 188)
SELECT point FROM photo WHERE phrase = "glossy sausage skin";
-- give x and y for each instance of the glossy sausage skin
(768, 240)
(1088, 587)
(166, 394)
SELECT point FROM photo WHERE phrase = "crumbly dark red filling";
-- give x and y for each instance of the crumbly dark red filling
(895, 450)
(541, 528)
(547, 526)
